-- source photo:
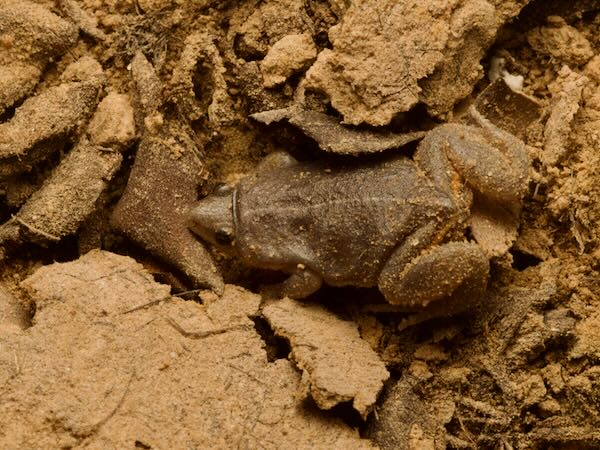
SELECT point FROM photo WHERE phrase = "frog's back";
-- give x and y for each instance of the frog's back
(342, 222)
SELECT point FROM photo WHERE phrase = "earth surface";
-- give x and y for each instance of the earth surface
(120, 329)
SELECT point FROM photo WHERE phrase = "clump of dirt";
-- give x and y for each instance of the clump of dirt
(115, 117)
(109, 344)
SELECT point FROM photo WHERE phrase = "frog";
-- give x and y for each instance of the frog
(392, 222)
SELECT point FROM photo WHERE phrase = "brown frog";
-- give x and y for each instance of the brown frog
(390, 222)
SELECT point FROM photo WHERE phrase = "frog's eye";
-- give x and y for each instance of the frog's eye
(224, 236)
(222, 189)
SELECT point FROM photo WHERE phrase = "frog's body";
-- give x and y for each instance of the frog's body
(341, 222)
(390, 222)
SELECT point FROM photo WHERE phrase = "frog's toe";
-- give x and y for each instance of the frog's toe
(299, 284)
(457, 269)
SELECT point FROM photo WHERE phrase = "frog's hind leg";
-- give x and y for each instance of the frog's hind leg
(455, 271)
(490, 161)
(299, 284)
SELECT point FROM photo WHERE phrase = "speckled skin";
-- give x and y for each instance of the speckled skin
(389, 222)
(341, 222)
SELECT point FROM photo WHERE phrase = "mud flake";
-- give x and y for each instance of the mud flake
(395, 55)
(94, 362)
(31, 36)
(162, 186)
(565, 105)
(339, 365)
(50, 116)
(334, 137)
(86, 22)
(71, 193)
(153, 209)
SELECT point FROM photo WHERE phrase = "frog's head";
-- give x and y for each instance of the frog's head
(212, 218)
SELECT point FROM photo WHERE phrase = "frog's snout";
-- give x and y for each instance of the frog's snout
(212, 218)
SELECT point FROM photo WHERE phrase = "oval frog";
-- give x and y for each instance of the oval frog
(391, 222)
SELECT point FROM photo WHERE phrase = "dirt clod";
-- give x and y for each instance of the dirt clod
(396, 54)
(31, 37)
(335, 137)
(339, 365)
(109, 344)
(561, 41)
(55, 114)
(287, 56)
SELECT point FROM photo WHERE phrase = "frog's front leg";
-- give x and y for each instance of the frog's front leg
(455, 271)
(299, 284)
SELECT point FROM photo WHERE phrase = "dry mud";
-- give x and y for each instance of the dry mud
(120, 329)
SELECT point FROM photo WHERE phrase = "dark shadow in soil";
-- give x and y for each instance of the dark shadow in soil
(275, 346)
(522, 261)
(343, 411)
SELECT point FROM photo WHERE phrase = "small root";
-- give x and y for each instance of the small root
(35, 230)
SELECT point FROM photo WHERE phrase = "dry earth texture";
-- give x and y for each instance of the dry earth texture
(120, 329)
